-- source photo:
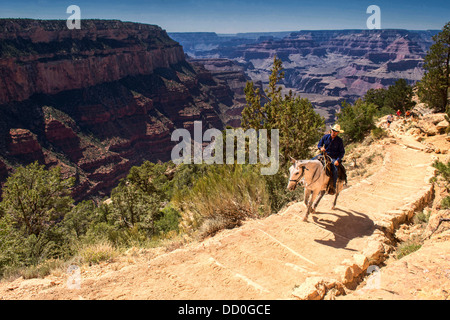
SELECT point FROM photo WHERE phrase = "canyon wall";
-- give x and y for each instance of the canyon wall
(98, 100)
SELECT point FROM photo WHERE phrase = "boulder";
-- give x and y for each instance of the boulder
(374, 251)
(433, 124)
(361, 261)
(345, 273)
(315, 288)
(442, 126)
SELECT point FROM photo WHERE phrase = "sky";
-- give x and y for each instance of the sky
(234, 16)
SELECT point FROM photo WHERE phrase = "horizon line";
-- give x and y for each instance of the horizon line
(226, 33)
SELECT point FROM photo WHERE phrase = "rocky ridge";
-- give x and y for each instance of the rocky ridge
(326, 66)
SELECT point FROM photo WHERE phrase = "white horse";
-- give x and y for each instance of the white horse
(312, 174)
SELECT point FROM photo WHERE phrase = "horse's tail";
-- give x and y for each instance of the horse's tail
(342, 174)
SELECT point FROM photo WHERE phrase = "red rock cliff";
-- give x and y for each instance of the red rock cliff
(48, 58)
(99, 100)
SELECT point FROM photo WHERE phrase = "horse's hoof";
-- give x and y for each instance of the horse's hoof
(305, 219)
(333, 208)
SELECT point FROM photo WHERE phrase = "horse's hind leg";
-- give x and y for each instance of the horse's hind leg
(334, 201)
(316, 203)
(307, 196)
(309, 206)
(339, 187)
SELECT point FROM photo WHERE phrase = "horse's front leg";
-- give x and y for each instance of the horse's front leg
(309, 206)
(306, 201)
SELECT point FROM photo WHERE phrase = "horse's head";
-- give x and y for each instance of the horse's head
(296, 172)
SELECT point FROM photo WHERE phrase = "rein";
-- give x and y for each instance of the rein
(301, 176)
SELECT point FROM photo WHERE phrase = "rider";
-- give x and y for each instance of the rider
(334, 147)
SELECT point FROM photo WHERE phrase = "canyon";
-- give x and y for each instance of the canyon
(99, 100)
(325, 66)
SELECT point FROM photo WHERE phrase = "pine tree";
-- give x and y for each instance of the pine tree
(435, 84)
(376, 96)
(34, 201)
(399, 96)
(298, 124)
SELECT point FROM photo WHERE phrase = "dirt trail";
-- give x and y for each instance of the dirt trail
(279, 257)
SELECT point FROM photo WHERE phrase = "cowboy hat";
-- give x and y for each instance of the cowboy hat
(337, 128)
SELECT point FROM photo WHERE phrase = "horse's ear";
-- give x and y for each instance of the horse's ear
(293, 160)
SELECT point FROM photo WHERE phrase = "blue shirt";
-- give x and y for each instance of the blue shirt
(334, 147)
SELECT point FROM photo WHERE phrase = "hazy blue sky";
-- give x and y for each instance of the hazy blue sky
(233, 16)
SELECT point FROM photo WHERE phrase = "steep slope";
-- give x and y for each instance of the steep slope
(279, 257)
(232, 75)
(98, 100)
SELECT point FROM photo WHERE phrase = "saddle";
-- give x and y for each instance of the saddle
(342, 174)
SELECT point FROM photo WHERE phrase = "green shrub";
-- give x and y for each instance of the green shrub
(10, 242)
(421, 217)
(397, 96)
(444, 171)
(376, 96)
(40, 270)
(34, 201)
(408, 247)
(445, 203)
(96, 253)
(276, 190)
(168, 221)
(225, 196)
(76, 223)
(36, 198)
(356, 120)
(378, 133)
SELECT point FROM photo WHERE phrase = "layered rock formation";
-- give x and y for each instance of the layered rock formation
(99, 100)
(339, 64)
(232, 78)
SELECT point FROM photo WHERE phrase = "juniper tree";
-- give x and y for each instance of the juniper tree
(36, 198)
(34, 201)
(357, 119)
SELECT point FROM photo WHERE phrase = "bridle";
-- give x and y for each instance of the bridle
(301, 175)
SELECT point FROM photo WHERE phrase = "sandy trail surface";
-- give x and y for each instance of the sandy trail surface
(262, 259)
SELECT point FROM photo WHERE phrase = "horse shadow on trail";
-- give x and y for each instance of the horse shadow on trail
(346, 228)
